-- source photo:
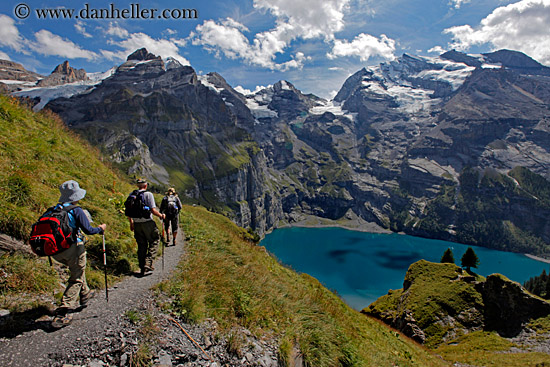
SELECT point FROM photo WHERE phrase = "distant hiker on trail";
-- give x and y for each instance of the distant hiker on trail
(75, 256)
(171, 206)
(139, 208)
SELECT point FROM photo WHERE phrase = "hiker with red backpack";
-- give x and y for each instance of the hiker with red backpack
(139, 208)
(58, 234)
(171, 206)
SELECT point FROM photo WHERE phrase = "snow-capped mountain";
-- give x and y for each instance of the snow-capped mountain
(395, 146)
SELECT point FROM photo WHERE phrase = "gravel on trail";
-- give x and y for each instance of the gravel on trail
(102, 334)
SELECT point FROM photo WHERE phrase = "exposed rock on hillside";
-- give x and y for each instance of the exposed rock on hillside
(63, 74)
(441, 301)
(14, 76)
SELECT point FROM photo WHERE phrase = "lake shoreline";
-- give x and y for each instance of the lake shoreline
(353, 224)
(541, 259)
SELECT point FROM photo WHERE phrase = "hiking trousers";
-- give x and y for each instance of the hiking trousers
(75, 258)
(147, 238)
(171, 222)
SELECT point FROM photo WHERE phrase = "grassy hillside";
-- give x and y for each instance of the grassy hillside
(446, 304)
(37, 154)
(227, 277)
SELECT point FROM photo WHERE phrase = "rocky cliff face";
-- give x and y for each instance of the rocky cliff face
(394, 146)
(63, 74)
(439, 302)
(14, 76)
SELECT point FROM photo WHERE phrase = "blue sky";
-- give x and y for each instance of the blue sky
(314, 44)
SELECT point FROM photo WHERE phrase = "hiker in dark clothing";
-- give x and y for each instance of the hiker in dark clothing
(75, 256)
(171, 206)
(145, 231)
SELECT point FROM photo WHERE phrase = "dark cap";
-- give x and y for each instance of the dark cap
(140, 181)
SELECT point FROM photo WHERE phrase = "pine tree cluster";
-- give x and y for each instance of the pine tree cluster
(539, 285)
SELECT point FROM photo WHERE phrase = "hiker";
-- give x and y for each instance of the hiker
(171, 206)
(75, 256)
(144, 227)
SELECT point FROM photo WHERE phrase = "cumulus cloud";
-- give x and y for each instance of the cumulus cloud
(9, 34)
(522, 26)
(295, 19)
(45, 42)
(51, 44)
(227, 38)
(364, 46)
(161, 47)
(117, 31)
(308, 18)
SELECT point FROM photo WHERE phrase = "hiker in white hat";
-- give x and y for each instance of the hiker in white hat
(75, 256)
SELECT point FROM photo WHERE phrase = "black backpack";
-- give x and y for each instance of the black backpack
(134, 206)
(172, 209)
(52, 234)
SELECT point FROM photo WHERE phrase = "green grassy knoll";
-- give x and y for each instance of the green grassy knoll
(227, 277)
(446, 303)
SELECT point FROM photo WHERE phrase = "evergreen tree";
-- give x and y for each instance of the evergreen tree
(469, 259)
(448, 257)
(547, 296)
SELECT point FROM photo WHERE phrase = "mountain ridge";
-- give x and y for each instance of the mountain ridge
(393, 140)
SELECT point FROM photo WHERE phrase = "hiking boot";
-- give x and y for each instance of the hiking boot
(86, 298)
(62, 320)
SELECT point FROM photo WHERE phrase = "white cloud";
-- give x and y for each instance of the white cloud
(308, 18)
(115, 30)
(364, 46)
(522, 26)
(458, 3)
(169, 31)
(80, 28)
(227, 38)
(161, 47)
(295, 19)
(248, 92)
(48, 43)
(4, 56)
(9, 34)
(437, 50)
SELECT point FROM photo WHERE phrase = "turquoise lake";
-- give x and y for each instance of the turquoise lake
(360, 267)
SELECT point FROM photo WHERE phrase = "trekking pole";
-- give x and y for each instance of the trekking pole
(105, 267)
(163, 244)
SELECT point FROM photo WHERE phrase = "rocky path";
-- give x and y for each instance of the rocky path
(100, 329)
(103, 334)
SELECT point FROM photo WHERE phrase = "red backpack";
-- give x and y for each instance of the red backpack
(52, 234)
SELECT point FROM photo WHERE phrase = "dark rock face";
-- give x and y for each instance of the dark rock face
(142, 55)
(508, 306)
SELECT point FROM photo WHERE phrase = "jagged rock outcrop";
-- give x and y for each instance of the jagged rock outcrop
(63, 74)
(439, 302)
(508, 306)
